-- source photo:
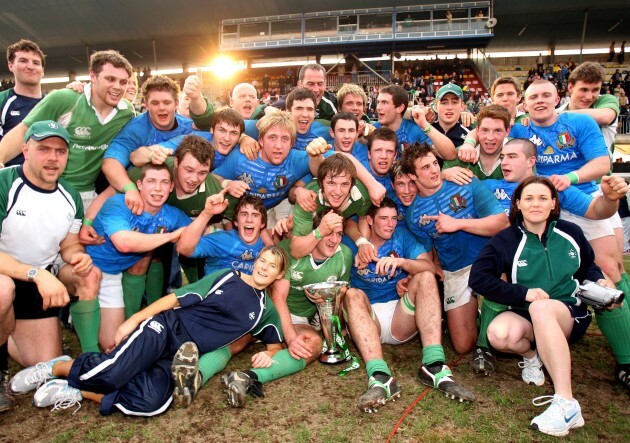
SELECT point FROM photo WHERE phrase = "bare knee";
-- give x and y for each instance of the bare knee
(7, 293)
(355, 299)
(88, 286)
(498, 336)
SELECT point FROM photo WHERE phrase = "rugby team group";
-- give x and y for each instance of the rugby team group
(101, 209)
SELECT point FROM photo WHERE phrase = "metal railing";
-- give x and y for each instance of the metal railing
(623, 126)
(486, 71)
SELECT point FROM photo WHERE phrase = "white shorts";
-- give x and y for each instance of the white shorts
(456, 290)
(384, 313)
(297, 320)
(278, 212)
(87, 197)
(593, 229)
(110, 294)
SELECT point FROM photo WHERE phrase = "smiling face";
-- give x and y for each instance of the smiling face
(354, 104)
(109, 85)
(190, 174)
(535, 205)
(266, 270)
(303, 115)
(327, 246)
(344, 135)
(383, 223)
(132, 88)
(27, 68)
(225, 137)
(405, 189)
(541, 100)
(314, 81)
(249, 222)
(275, 145)
(161, 106)
(155, 187)
(583, 95)
(336, 189)
(491, 133)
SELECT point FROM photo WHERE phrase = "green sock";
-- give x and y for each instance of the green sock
(155, 281)
(377, 365)
(624, 284)
(133, 290)
(615, 325)
(213, 362)
(86, 319)
(191, 273)
(433, 354)
(489, 310)
(283, 365)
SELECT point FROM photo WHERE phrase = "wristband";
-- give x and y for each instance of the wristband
(471, 141)
(151, 156)
(573, 177)
(129, 187)
(87, 222)
(362, 241)
(317, 235)
(225, 183)
(427, 129)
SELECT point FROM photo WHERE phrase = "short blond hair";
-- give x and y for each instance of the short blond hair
(349, 88)
(280, 119)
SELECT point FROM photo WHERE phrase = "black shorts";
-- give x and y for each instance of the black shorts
(27, 304)
(581, 319)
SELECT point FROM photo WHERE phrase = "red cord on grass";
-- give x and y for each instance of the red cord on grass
(415, 402)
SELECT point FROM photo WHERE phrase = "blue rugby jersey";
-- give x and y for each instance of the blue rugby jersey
(458, 249)
(226, 250)
(565, 146)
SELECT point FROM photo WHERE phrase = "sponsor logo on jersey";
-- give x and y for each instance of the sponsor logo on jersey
(363, 272)
(297, 275)
(195, 212)
(572, 253)
(90, 148)
(424, 220)
(536, 140)
(565, 140)
(53, 125)
(500, 194)
(82, 132)
(247, 178)
(20, 212)
(280, 182)
(457, 202)
(218, 292)
(15, 113)
(332, 278)
(556, 158)
(521, 263)
(247, 255)
(252, 315)
(549, 150)
(157, 327)
(262, 190)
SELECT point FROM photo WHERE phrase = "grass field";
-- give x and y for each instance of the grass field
(316, 405)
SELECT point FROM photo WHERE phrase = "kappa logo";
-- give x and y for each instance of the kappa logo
(247, 178)
(536, 140)
(500, 194)
(247, 255)
(252, 315)
(83, 131)
(424, 220)
(15, 113)
(521, 263)
(20, 212)
(157, 327)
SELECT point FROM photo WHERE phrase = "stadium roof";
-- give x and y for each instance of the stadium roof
(187, 30)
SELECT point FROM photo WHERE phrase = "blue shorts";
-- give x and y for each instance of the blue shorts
(581, 319)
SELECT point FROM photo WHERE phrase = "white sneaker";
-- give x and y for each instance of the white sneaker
(59, 394)
(532, 371)
(561, 416)
(34, 376)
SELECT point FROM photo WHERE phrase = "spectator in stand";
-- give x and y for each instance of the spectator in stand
(611, 52)
(622, 53)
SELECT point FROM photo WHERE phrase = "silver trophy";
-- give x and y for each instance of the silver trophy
(326, 296)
